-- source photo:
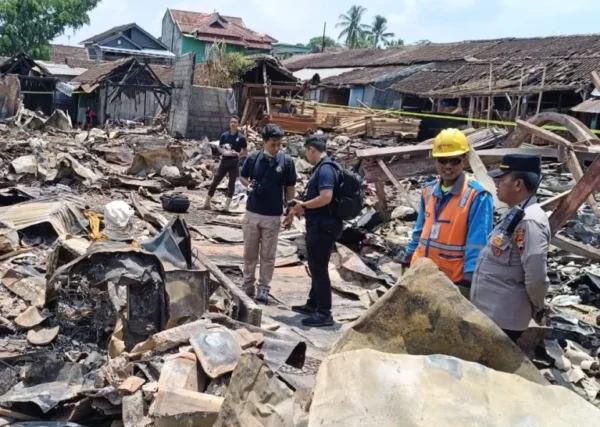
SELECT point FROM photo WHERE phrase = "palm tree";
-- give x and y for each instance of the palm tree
(394, 43)
(378, 30)
(351, 25)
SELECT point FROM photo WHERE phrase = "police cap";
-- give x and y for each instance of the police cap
(518, 163)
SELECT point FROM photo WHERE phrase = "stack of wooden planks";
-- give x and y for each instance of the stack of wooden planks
(380, 125)
(310, 116)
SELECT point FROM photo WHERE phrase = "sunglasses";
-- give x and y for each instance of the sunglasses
(453, 162)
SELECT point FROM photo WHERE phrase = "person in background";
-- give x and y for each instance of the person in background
(287, 108)
(232, 146)
(270, 177)
(323, 228)
(510, 280)
(90, 118)
(456, 214)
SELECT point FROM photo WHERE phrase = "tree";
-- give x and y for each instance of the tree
(394, 43)
(422, 42)
(30, 25)
(316, 42)
(352, 29)
(365, 41)
(377, 30)
(223, 69)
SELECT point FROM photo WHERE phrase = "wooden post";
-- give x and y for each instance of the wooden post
(539, 104)
(520, 93)
(490, 98)
(585, 187)
(481, 174)
(471, 110)
(381, 199)
(391, 177)
(562, 158)
(248, 310)
(267, 100)
(560, 99)
(539, 101)
(245, 113)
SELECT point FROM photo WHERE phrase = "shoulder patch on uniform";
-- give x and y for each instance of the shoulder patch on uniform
(476, 185)
(431, 183)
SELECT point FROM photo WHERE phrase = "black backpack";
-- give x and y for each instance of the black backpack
(349, 194)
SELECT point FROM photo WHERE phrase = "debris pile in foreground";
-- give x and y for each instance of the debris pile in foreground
(114, 309)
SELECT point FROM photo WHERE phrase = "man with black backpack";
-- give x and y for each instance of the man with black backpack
(323, 227)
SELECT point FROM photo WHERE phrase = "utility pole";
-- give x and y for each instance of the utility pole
(323, 41)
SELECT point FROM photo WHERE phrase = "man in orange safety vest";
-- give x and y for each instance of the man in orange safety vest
(455, 216)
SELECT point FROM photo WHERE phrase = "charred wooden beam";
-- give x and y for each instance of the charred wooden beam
(569, 205)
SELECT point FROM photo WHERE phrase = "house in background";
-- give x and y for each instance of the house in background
(73, 56)
(184, 32)
(284, 50)
(126, 41)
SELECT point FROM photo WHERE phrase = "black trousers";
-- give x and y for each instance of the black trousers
(513, 335)
(228, 166)
(319, 246)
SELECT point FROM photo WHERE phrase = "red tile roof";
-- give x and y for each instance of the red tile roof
(211, 26)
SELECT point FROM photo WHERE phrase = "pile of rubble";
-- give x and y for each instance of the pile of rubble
(115, 310)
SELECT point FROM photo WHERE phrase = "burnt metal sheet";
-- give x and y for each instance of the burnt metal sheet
(279, 349)
(47, 385)
(172, 246)
(232, 255)
(27, 283)
(220, 233)
(63, 215)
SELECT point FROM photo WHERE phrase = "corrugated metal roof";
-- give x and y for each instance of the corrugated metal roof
(473, 78)
(308, 73)
(564, 47)
(143, 52)
(363, 76)
(63, 214)
(62, 69)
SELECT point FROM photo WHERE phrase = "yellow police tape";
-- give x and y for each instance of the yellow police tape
(438, 116)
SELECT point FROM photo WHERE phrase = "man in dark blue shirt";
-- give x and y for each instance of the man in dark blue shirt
(232, 146)
(323, 228)
(267, 174)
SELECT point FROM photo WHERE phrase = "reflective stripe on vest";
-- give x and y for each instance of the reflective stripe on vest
(447, 250)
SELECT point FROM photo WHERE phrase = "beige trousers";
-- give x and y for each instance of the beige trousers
(260, 237)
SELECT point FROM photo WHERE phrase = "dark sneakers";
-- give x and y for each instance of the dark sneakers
(318, 320)
(303, 309)
(262, 296)
(250, 290)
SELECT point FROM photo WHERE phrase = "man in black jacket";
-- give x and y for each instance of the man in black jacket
(323, 228)
(270, 177)
(232, 146)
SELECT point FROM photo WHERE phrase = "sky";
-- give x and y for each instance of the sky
(411, 20)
